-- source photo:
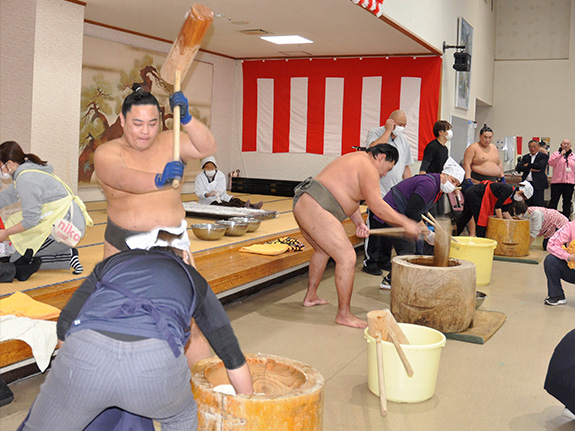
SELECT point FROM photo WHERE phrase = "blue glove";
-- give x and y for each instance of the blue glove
(466, 184)
(172, 171)
(178, 99)
(502, 180)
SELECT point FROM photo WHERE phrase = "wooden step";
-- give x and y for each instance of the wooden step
(224, 268)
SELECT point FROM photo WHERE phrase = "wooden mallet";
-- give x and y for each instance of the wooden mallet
(180, 58)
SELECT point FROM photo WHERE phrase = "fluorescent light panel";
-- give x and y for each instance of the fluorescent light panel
(287, 40)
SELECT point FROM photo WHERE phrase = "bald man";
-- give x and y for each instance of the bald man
(378, 249)
(323, 203)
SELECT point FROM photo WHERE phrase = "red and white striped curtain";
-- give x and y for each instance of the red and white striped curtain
(327, 106)
(375, 6)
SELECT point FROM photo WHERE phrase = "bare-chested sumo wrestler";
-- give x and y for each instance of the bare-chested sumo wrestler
(136, 173)
(323, 203)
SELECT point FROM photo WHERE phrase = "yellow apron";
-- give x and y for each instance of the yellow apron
(35, 236)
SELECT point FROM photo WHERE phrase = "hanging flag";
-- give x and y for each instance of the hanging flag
(375, 6)
(327, 106)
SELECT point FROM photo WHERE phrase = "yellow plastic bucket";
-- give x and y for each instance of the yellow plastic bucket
(478, 251)
(423, 354)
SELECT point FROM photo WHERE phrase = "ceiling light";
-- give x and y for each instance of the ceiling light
(287, 40)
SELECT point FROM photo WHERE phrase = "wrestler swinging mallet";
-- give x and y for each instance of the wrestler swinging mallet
(180, 58)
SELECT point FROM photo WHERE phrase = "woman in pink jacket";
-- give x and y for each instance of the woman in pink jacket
(557, 264)
(563, 180)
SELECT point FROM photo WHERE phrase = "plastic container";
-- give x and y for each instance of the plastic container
(478, 251)
(423, 353)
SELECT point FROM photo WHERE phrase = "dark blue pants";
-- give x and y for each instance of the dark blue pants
(377, 248)
(556, 270)
(560, 380)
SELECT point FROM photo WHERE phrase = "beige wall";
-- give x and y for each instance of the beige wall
(535, 70)
(40, 79)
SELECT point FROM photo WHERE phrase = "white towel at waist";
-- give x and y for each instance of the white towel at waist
(40, 335)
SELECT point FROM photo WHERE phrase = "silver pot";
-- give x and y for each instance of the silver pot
(234, 228)
(253, 223)
(479, 298)
(209, 231)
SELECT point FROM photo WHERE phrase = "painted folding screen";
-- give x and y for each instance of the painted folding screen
(327, 106)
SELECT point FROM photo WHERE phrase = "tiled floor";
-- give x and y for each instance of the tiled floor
(495, 386)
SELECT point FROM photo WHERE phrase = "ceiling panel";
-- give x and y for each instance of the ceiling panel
(337, 27)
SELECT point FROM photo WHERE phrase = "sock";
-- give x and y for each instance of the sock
(75, 263)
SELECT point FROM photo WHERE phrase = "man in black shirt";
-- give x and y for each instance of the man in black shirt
(435, 155)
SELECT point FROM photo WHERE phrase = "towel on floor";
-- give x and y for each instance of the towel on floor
(267, 249)
(20, 304)
(40, 335)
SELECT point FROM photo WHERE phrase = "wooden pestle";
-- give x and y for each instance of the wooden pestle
(398, 338)
(378, 330)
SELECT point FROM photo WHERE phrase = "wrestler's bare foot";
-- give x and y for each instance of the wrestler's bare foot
(310, 301)
(350, 320)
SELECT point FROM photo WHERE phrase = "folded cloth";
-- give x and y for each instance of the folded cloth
(571, 250)
(40, 335)
(294, 244)
(267, 249)
(21, 305)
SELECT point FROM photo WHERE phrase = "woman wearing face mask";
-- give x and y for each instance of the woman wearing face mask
(211, 187)
(435, 155)
(415, 196)
(44, 199)
(486, 199)
(563, 180)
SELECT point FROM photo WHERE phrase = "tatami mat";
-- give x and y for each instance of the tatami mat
(91, 247)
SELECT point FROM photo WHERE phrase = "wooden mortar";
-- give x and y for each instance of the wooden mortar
(288, 396)
(442, 298)
(512, 236)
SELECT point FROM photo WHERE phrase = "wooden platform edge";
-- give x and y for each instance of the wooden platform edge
(225, 268)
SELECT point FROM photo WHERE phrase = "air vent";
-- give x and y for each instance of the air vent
(255, 32)
(296, 53)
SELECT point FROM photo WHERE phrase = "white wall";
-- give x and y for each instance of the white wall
(435, 22)
(534, 88)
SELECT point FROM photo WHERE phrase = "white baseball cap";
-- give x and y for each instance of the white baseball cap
(526, 188)
(451, 167)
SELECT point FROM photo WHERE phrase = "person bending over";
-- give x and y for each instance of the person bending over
(544, 222)
(486, 199)
(323, 203)
(44, 198)
(415, 196)
(123, 334)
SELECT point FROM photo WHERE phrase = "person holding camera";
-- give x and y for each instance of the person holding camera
(563, 180)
